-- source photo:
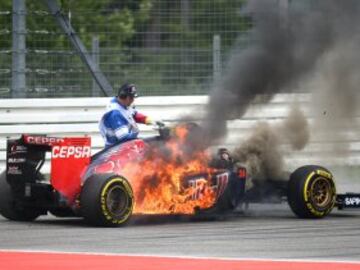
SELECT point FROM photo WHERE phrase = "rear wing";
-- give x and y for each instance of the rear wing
(69, 158)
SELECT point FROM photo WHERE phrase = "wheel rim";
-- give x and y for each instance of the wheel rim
(321, 192)
(117, 201)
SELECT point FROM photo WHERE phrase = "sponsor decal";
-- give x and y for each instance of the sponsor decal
(198, 185)
(16, 160)
(222, 181)
(352, 201)
(18, 149)
(14, 170)
(71, 151)
(42, 140)
(324, 174)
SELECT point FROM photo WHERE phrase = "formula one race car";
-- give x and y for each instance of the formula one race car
(160, 175)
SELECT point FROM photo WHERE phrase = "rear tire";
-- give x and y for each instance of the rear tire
(106, 200)
(8, 207)
(311, 192)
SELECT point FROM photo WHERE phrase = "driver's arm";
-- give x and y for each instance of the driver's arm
(142, 119)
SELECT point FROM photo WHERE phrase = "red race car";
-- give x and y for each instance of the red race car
(168, 174)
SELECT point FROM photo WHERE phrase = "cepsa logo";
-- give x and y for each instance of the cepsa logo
(71, 151)
(42, 140)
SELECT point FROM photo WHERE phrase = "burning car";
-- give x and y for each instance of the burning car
(168, 174)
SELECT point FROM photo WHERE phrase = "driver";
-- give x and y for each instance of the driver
(118, 124)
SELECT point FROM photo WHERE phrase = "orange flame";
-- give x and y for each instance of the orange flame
(159, 181)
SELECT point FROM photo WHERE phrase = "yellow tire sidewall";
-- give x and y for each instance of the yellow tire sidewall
(125, 186)
(306, 192)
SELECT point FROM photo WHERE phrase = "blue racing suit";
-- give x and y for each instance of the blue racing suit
(118, 124)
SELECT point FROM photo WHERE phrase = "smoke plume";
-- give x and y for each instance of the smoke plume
(312, 50)
(261, 152)
(287, 48)
(336, 97)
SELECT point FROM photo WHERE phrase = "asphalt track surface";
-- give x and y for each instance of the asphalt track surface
(268, 232)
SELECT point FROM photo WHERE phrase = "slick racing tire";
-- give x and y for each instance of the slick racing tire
(8, 207)
(106, 200)
(311, 192)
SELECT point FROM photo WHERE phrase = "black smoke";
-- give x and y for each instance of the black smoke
(287, 48)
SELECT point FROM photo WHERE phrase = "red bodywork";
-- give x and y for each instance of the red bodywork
(114, 160)
(69, 159)
(71, 162)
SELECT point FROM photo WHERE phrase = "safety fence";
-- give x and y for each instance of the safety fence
(166, 47)
(80, 116)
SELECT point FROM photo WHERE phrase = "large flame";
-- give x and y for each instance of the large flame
(159, 180)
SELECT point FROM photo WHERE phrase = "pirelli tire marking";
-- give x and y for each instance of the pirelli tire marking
(324, 176)
(123, 185)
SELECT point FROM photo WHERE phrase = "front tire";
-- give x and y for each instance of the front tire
(106, 200)
(8, 207)
(311, 192)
